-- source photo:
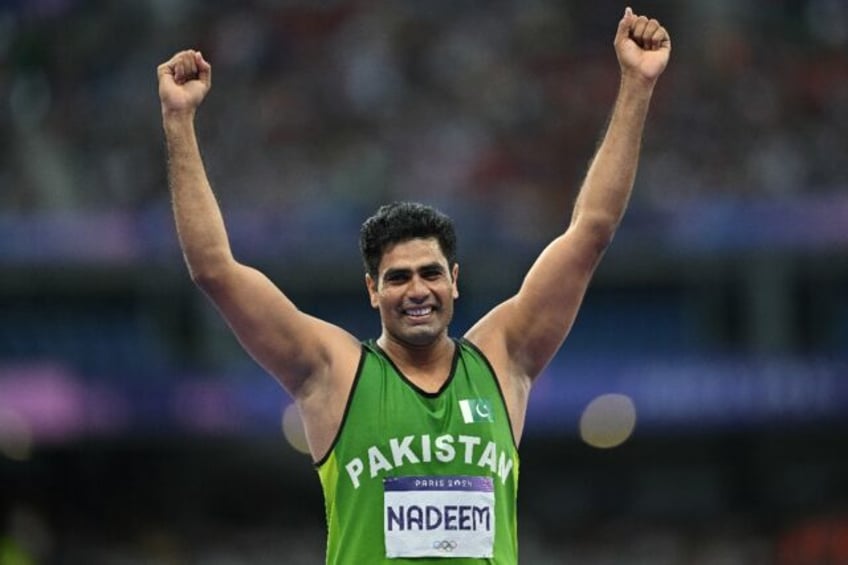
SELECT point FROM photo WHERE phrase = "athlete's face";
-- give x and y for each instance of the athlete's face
(414, 292)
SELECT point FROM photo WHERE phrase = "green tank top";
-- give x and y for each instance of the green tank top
(416, 477)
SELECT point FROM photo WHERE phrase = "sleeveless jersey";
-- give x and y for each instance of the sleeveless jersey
(416, 477)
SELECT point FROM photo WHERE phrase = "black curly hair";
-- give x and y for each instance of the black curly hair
(401, 221)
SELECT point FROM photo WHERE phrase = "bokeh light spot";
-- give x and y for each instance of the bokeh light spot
(15, 436)
(608, 421)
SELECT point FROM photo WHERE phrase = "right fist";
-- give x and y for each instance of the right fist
(184, 81)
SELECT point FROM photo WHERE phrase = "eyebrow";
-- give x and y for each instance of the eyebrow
(406, 271)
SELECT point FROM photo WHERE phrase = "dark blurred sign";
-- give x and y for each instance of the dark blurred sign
(696, 393)
(49, 403)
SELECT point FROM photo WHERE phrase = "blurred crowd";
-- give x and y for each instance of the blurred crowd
(323, 109)
(327, 108)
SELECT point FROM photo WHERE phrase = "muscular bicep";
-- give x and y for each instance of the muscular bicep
(288, 343)
(532, 324)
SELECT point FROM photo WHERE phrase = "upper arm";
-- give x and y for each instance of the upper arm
(530, 326)
(288, 343)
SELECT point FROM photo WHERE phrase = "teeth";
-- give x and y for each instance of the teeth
(419, 311)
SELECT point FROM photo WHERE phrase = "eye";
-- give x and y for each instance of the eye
(395, 277)
(431, 274)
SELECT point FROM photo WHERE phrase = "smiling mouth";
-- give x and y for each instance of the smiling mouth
(419, 312)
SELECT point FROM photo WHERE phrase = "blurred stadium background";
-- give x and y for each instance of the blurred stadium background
(133, 429)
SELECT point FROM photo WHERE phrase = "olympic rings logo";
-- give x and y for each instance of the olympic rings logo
(444, 545)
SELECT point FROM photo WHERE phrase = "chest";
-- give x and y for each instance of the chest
(392, 426)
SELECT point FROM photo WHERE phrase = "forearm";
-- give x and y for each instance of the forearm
(609, 181)
(200, 226)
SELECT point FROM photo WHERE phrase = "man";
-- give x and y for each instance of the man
(415, 434)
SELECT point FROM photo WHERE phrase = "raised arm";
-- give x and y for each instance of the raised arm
(310, 358)
(523, 334)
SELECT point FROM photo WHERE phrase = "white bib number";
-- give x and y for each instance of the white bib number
(452, 516)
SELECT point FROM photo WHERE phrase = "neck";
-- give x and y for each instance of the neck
(420, 357)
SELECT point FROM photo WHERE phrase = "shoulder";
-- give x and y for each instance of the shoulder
(468, 350)
(488, 339)
(487, 342)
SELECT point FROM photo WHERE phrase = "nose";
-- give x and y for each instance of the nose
(418, 290)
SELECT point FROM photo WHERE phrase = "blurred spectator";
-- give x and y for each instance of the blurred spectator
(822, 539)
(469, 103)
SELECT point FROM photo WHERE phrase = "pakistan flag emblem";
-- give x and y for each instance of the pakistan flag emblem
(476, 410)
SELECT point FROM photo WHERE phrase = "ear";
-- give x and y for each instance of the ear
(371, 285)
(455, 280)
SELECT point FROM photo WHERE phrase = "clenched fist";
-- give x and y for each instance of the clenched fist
(184, 81)
(643, 46)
